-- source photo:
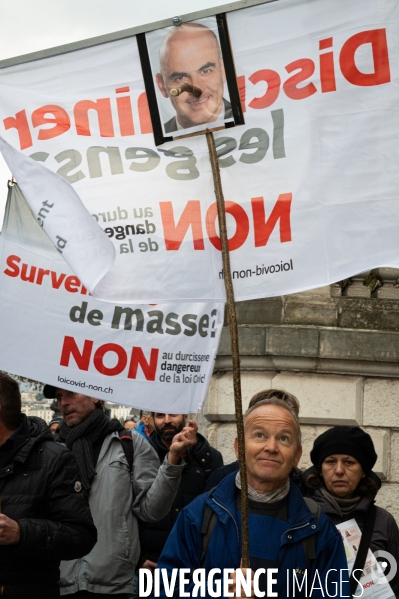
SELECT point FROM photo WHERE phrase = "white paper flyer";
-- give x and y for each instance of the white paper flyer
(373, 581)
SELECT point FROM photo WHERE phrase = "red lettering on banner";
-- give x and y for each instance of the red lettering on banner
(82, 358)
(12, 262)
(70, 348)
(306, 68)
(273, 81)
(71, 284)
(60, 121)
(138, 359)
(242, 225)
(191, 217)
(28, 277)
(40, 275)
(56, 283)
(378, 40)
(125, 114)
(144, 114)
(327, 71)
(20, 123)
(103, 109)
(281, 211)
(99, 359)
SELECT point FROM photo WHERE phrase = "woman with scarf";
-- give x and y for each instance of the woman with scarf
(341, 481)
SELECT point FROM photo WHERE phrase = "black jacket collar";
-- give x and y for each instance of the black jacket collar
(33, 430)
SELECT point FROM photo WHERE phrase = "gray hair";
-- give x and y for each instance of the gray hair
(278, 398)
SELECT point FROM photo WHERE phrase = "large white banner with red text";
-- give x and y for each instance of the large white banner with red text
(311, 180)
(158, 357)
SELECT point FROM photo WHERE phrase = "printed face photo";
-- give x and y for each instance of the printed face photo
(189, 77)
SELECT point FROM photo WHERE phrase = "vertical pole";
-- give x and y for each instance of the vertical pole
(234, 344)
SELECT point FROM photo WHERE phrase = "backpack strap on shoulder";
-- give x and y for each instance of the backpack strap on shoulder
(209, 519)
(314, 507)
(126, 440)
(309, 543)
(364, 546)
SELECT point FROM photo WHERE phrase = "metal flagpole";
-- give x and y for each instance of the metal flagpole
(231, 309)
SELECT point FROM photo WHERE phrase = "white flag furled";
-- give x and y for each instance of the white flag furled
(62, 215)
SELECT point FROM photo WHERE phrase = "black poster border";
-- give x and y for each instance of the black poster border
(150, 91)
(229, 67)
(231, 79)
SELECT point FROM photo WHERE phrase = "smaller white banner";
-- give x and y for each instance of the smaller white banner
(156, 357)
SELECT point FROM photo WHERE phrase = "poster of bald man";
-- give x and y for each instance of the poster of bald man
(190, 79)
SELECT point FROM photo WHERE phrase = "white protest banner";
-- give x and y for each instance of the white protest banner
(158, 357)
(310, 181)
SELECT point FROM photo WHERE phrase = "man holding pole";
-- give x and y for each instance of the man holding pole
(293, 548)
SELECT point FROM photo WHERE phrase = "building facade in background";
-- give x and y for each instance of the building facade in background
(34, 404)
(337, 349)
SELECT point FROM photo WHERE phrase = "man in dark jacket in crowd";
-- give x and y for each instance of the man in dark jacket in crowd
(44, 511)
(279, 520)
(201, 460)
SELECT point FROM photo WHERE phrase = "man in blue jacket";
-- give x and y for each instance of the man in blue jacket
(281, 524)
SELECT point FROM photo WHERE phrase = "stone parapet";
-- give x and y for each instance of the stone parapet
(323, 343)
(357, 308)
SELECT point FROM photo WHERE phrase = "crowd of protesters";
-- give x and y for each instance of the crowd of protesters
(88, 504)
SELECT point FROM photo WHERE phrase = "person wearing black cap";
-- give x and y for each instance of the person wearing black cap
(121, 486)
(342, 482)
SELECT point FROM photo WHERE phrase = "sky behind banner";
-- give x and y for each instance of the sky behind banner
(306, 178)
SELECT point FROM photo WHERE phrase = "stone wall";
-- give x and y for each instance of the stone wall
(341, 374)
